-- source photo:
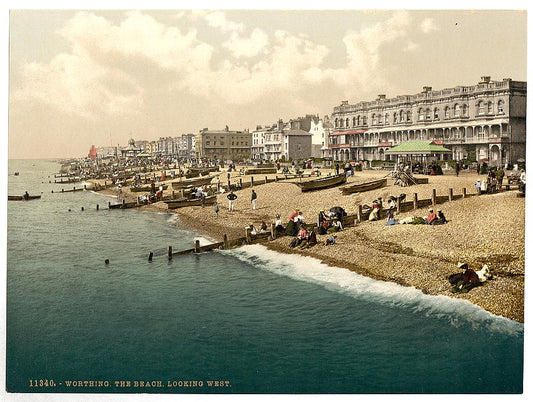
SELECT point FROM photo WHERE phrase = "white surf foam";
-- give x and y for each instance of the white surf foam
(456, 311)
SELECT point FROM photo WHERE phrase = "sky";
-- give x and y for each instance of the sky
(99, 77)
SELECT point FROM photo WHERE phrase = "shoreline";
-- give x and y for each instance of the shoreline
(486, 229)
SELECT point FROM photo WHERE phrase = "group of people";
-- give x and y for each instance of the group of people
(468, 279)
(432, 218)
(232, 197)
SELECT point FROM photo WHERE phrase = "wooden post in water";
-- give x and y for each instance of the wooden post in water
(360, 213)
(450, 196)
(415, 201)
(266, 180)
(150, 256)
(240, 181)
(109, 205)
(276, 178)
(434, 197)
(123, 202)
(226, 244)
(97, 207)
(464, 192)
(252, 182)
(169, 252)
(197, 246)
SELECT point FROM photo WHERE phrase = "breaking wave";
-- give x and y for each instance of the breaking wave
(457, 312)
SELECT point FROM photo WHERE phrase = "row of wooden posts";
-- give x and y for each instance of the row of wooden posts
(348, 220)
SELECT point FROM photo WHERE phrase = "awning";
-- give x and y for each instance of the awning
(349, 132)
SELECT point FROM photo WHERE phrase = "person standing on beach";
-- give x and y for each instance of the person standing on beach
(254, 199)
(216, 208)
(337, 167)
(231, 197)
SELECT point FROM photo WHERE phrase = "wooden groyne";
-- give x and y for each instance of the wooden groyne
(84, 188)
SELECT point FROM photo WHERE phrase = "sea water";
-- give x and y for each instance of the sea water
(247, 320)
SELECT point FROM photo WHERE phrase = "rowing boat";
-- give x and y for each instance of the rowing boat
(361, 187)
(323, 182)
(263, 170)
(187, 202)
(22, 198)
(200, 181)
(146, 188)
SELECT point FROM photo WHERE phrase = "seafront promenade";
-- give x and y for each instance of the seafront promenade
(486, 229)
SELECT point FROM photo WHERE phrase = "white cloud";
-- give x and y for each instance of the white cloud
(217, 19)
(247, 47)
(428, 25)
(110, 65)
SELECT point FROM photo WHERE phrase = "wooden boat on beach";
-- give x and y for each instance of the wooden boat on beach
(361, 187)
(261, 170)
(188, 202)
(22, 198)
(195, 172)
(147, 188)
(323, 182)
(200, 181)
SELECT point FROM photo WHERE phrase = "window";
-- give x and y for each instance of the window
(480, 108)
(401, 115)
(373, 119)
(465, 109)
(395, 117)
(207, 142)
(456, 110)
(347, 122)
(436, 113)
(447, 112)
(408, 115)
(386, 118)
(500, 107)
(354, 122)
(365, 120)
(428, 114)
(490, 108)
(420, 114)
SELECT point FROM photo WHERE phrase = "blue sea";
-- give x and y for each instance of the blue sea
(242, 321)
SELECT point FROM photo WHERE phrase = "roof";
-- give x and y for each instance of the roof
(349, 132)
(298, 132)
(411, 147)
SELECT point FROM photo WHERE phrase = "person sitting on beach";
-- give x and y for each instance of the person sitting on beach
(441, 219)
(374, 215)
(330, 240)
(301, 236)
(391, 220)
(463, 283)
(264, 227)
(323, 228)
(431, 217)
(294, 214)
(321, 217)
(299, 219)
(336, 226)
(310, 241)
(252, 228)
(278, 224)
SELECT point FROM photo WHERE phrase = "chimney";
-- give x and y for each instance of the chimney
(426, 89)
(485, 79)
(507, 80)
(344, 103)
(381, 96)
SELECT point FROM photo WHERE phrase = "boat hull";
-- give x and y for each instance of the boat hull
(359, 188)
(21, 197)
(173, 204)
(325, 182)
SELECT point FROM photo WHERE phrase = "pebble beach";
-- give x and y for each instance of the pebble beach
(486, 229)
